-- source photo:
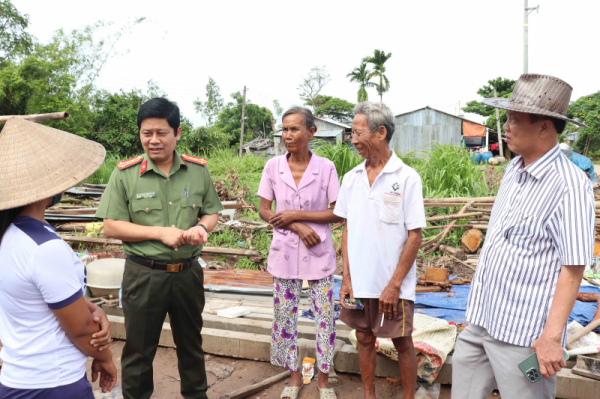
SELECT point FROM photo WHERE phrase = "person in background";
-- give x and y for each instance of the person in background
(47, 328)
(152, 203)
(539, 240)
(304, 187)
(582, 162)
(382, 202)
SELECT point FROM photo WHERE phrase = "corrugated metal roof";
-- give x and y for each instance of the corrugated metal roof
(437, 110)
(321, 133)
(334, 122)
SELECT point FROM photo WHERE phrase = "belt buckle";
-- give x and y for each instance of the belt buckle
(174, 267)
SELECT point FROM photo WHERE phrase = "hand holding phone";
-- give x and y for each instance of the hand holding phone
(531, 367)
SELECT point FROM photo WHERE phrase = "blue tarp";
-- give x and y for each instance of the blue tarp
(583, 163)
(452, 306)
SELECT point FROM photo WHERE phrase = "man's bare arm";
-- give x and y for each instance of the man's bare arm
(548, 347)
(388, 302)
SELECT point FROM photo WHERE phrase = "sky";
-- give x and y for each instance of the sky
(442, 51)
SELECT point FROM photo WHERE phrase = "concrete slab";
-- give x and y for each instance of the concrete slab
(248, 345)
(572, 386)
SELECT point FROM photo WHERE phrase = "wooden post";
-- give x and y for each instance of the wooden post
(55, 116)
(243, 121)
(500, 143)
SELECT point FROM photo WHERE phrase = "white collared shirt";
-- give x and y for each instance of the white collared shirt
(543, 218)
(379, 218)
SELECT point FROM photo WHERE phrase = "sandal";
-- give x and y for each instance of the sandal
(327, 393)
(291, 392)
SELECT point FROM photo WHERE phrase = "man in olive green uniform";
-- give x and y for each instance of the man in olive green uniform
(152, 203)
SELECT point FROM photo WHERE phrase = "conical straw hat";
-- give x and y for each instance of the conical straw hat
(38, 162)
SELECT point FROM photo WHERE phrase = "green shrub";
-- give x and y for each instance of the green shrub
(449, 172)
(343, 157)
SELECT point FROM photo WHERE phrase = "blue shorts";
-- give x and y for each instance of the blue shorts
(81, 389)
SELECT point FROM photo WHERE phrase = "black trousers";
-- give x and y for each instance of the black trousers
(148, 295)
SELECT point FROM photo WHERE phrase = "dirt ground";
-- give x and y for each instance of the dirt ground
(247, 372)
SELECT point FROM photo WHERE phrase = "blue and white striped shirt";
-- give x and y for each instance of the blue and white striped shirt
(543, 218)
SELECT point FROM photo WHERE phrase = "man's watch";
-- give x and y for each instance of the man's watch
(203, 226)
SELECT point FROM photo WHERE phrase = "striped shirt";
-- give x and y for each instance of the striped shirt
(543, 218)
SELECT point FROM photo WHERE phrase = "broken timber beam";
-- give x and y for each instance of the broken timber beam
(55, 116)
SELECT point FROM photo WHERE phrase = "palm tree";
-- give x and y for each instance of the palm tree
(378, 60)
(360, 75)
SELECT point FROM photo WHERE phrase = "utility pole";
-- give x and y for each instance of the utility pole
(526, 13)
(243, 122)
(500, 143)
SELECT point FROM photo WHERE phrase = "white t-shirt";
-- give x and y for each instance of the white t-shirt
(38, 272)
(379, 218)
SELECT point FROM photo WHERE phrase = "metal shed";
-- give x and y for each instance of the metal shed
(418, 130)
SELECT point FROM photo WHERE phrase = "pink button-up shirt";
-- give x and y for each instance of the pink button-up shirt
(289, 258)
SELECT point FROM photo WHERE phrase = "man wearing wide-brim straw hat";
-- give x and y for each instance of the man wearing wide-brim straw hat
(47, 327)
(539, 240)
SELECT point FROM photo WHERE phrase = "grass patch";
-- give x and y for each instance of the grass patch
(103, 173)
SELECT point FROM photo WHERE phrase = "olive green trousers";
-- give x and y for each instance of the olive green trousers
(148, 295)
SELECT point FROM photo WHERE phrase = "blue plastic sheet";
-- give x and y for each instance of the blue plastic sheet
(452, 306)
(583, 162)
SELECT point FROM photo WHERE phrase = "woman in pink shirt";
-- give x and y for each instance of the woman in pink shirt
(304, 188)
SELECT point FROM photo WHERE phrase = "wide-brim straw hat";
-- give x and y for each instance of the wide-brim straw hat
(38, 162)
(539, 95)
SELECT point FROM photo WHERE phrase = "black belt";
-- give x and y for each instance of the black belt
(166, 266)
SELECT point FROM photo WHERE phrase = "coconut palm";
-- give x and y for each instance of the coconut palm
(360, 75)
(378, 60)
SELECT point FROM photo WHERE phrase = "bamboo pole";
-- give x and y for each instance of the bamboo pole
(205, 250)
(452, 217)
(459, 226)
(55, 116)
(460, 199)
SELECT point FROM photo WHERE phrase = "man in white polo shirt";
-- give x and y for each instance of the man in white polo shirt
(382, 202)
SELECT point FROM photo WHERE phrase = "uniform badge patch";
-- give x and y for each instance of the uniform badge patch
(189, 158)
(145, 195)
(130, 162)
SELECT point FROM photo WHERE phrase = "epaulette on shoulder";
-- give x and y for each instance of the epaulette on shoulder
(130, 162)
(199, 161)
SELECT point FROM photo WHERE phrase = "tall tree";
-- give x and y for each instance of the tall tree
(504, 88)
(360, 75)
(213, 105)
(378, 59)
(14, 39)
(278, 112)
(257, 120)
(586, 110)
(333, 107)
(312, 85)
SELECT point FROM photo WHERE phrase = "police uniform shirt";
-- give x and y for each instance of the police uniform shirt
(138, 192)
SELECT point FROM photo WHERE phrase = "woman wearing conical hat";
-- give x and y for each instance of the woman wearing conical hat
(47, 328)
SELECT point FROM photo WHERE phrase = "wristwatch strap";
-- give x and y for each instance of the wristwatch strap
(200, 224)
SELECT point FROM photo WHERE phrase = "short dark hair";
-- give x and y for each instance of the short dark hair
(308, 119)
(559, 124)
(161, 108)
